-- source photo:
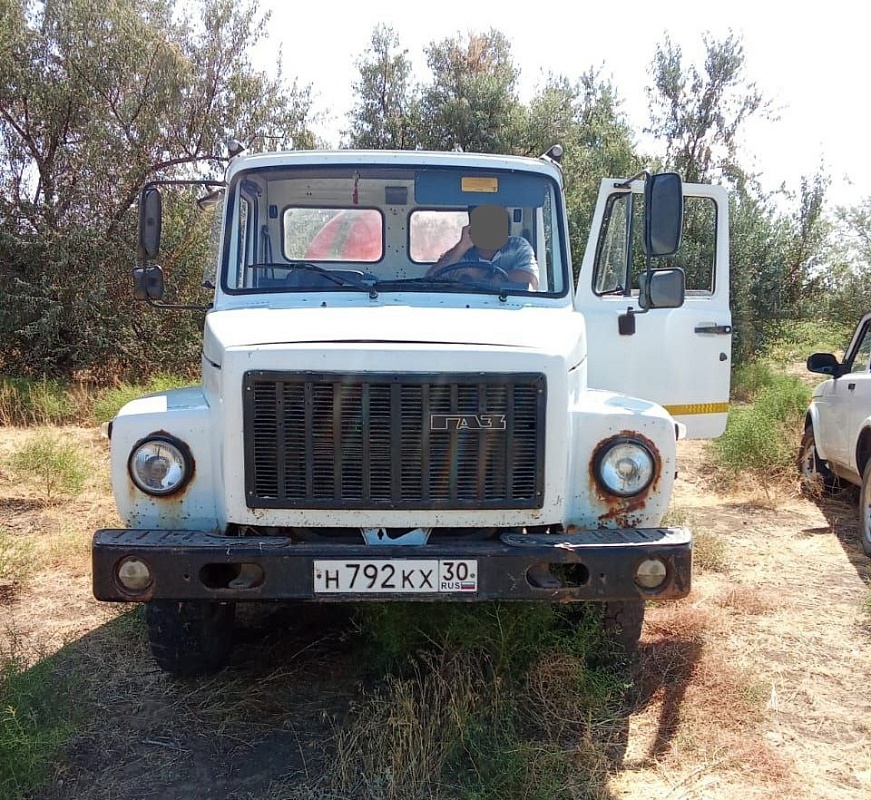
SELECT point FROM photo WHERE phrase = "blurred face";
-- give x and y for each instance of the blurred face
(489, 227)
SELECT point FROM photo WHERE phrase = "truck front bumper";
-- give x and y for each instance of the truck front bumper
(595, 565)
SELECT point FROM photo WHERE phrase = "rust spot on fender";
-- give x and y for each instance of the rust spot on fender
(623, 511)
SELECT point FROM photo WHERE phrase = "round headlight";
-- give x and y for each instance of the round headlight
(625, 468)
(160, 465)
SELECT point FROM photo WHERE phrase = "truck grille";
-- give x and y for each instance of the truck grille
(462, 441)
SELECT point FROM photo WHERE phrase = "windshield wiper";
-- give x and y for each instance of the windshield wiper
(339, 278)
(444, 284)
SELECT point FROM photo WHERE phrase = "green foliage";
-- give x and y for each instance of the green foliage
(108, 402)
(750, 378)
(512, 635)
(54, 465)
(698, 112)
(794, 341)
(41, 402)
(35, 723)
(471, 103)
(762, 437)
(484, 697)
(94, 100)
(383, 117)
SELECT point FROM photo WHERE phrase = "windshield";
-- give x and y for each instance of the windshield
(377, 229)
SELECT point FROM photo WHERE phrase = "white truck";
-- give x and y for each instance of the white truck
(372, 425)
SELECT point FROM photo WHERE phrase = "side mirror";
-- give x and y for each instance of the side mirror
(824, 364)
(150, 222)
(661, 288)
(148, 283)
(663, 214)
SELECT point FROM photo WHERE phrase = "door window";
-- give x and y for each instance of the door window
(620, 256)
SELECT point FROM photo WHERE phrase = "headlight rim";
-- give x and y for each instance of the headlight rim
(606, 447)
(187, 461)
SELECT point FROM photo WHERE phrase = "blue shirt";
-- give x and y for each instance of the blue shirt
(515, 254)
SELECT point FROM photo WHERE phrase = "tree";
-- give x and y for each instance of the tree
(698, 113)
(94, 100)
(842, 282)
(471, 103)
(385, 107)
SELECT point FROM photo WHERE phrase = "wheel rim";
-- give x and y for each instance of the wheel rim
(809, 461)
(811, 478)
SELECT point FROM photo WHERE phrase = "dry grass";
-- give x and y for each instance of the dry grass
(749, 600)
(752, 687)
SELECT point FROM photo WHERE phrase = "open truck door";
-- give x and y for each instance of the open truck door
(677, 357)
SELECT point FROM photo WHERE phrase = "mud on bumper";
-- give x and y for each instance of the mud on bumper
(191, 565)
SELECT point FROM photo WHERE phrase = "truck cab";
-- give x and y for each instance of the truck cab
(375, 423)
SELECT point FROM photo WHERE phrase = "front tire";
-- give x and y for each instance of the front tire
(865, 510)
(816, 478)
(190, 638)
(623, 621)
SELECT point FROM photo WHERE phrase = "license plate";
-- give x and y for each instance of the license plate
(395, 576)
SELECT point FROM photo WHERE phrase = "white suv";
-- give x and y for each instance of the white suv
(836, 446)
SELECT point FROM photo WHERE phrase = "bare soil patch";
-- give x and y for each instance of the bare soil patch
(755, 686)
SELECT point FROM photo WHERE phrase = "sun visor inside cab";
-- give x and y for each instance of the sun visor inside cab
(473, 188)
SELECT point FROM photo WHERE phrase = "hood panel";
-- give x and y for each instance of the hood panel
(556, 331)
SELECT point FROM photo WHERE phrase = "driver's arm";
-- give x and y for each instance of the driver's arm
(524, 268)
(455, 253)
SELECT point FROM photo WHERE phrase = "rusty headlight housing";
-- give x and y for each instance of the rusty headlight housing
(160, 465)
(625, 467)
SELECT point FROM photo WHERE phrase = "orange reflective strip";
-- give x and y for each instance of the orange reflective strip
(697, 408)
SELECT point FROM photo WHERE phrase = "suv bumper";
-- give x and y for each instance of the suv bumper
(191, 565)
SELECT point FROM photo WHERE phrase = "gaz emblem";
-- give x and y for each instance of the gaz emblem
(467, 422)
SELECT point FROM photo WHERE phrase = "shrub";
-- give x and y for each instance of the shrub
(762, 437)
(55, 465)
(749, 379)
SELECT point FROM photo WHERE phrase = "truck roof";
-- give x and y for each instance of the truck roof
(404, 158)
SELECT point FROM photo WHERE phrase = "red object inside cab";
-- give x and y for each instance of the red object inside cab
(351, 235)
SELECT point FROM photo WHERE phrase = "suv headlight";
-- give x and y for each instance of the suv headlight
(625, 467)
(160, 465)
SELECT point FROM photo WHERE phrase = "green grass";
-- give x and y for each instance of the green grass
(480, 703)
(762, 437)
(108, 402)
(24, 403)
(35, 723)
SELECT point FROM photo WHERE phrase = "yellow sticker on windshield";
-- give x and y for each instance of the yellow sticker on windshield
(480, 185)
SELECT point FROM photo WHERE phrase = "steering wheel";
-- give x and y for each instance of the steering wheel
(491, 269)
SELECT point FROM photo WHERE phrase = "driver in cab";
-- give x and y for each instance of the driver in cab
(486, 250)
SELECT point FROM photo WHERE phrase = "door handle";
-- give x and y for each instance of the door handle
(716, 329)
(851, 386)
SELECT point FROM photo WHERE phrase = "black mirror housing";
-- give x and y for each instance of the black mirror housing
(148, 283)
(663, 214)
(150, 223)
(661, 288)
(824, 364)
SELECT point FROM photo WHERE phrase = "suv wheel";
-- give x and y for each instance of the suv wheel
(190, 638)
(865, 510)
(816, 478)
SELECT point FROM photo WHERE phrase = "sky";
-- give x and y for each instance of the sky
(810, 60)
